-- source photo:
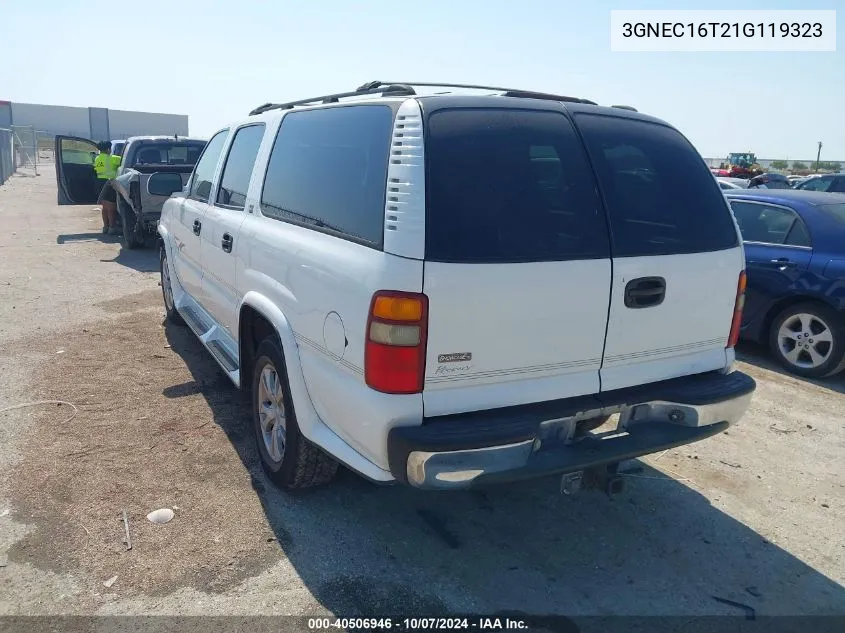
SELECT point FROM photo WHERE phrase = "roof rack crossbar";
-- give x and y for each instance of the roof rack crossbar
(405, 88)
(380, 89)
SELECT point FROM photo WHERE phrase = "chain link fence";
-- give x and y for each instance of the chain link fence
(7, 154)
(25, 150)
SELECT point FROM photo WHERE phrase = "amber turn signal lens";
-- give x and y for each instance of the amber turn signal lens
(397, 308)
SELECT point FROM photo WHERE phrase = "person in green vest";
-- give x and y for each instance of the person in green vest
(106, 166)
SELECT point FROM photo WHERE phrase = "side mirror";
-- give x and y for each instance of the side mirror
(164, 184)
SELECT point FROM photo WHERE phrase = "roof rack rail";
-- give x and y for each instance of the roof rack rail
(405, 88)
(507, 92)
(379, 89)
(624, 107)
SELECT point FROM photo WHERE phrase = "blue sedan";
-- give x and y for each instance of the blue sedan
(795, 262)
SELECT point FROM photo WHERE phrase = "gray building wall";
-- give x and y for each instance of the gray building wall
(93, 123)
(54, 119)
(5, 114)
(123, 124)
(99, 122)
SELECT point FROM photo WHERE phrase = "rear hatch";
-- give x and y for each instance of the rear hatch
(517, 264)
(525, 302)
(676, 252)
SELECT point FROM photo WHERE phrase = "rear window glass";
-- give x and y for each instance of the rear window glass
(836, 210)
(328, 169)
(508, 185)
(168, 154)
(661, 197)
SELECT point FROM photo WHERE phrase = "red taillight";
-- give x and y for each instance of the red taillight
(394, 353)
(739, 304)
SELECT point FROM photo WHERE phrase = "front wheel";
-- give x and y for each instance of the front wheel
(808, 339)
(167, 291)
(288, 458)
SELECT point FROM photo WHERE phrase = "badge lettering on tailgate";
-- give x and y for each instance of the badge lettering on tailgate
(455, 357)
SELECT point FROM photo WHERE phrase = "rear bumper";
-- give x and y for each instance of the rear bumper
(461, 451)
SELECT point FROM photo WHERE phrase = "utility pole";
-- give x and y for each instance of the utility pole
(818, 155)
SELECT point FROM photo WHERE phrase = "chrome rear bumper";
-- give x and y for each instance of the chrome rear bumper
(453, 457)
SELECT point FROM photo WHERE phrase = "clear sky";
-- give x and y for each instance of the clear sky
(216, 60)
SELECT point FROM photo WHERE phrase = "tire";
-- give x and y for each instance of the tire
(821, 356)
(173, 315)
(129, 238)
(297, 463)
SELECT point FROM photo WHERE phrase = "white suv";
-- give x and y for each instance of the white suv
(457, 289)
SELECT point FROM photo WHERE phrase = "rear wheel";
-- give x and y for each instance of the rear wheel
(129, 236)
(288, 458)
(167, 292)
(808, 339)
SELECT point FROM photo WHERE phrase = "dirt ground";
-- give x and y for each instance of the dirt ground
(755, 515)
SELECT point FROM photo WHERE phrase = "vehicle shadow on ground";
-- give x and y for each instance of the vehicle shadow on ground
(759, 356)
(93, 236)
(145, 260)
(659, 547)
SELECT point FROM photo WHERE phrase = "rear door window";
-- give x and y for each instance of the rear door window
(328, 171)
(237, 171)
(661, 197)
(769, 224)
(507, 185)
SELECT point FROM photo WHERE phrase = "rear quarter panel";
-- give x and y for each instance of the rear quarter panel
(324, 285)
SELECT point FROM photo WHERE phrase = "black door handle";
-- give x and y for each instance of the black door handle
(645, 292)
(227, 243)
(197, 227)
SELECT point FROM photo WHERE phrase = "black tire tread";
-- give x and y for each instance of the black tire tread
(304, 465)
(173, 315)
(313, 467)
(128, 239)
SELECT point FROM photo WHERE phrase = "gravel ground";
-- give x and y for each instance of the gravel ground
(755, 515)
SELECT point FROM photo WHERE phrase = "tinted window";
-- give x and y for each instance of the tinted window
(771, 184)
(204, 171)
(509, 186)
(798, 235)
(237, 171)
(661, 197)
(816, 184)
(168, 153)
(328, 168)
(838, 185)
(769, 225)
(117, 150)
(836, 210)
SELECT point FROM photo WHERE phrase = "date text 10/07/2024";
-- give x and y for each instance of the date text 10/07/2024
(417, 624)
